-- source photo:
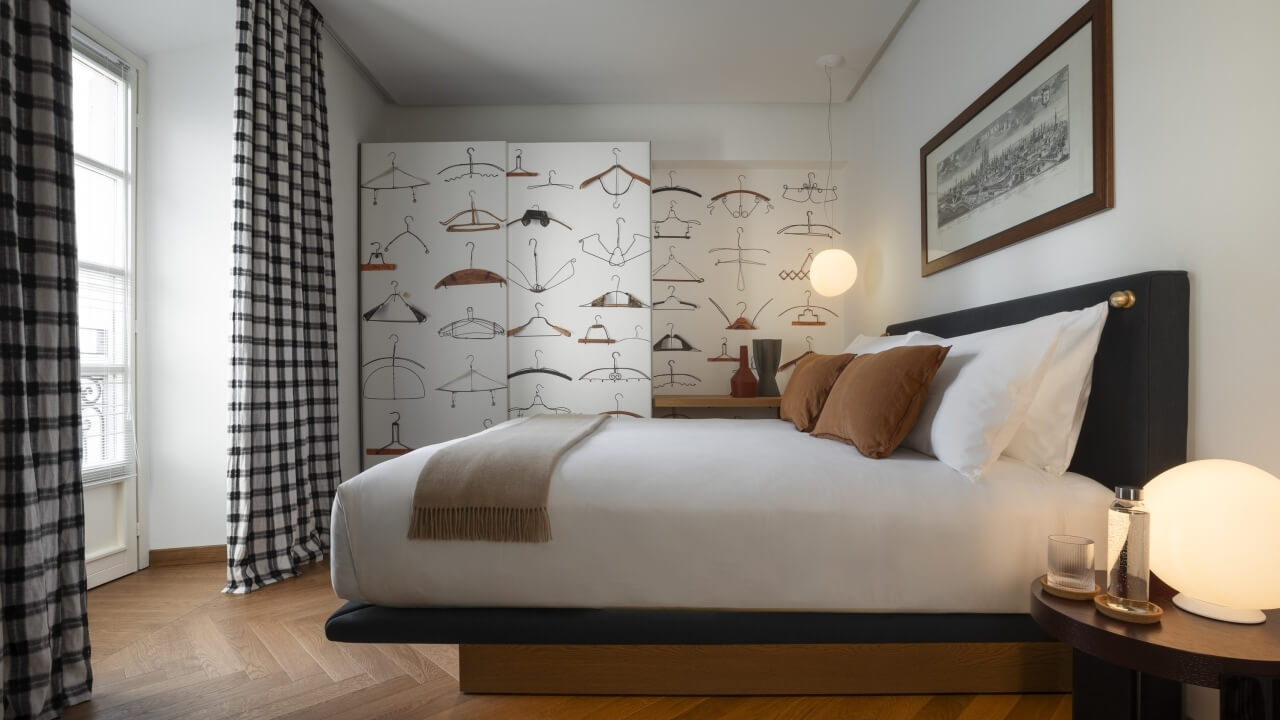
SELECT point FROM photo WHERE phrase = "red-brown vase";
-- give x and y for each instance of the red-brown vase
(743, 383)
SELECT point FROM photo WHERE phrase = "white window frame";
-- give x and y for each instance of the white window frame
(97, 45)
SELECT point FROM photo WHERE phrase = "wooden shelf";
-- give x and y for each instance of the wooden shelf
(714, 401)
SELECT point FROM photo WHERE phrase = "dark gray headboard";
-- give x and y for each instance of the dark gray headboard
(1136, 424)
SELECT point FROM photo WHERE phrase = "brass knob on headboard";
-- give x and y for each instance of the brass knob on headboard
(1123, 299)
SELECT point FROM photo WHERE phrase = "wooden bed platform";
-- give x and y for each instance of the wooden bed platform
(1134, 428)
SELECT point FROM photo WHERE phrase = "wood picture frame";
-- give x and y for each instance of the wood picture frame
(1034, 152)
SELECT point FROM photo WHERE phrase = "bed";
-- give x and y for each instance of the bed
(745, 557)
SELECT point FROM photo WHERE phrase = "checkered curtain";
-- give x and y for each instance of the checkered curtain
(283, 465)
(44, 634)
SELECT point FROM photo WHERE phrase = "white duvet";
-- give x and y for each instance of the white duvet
(743, 514)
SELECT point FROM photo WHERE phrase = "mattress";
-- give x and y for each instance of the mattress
(727, 514)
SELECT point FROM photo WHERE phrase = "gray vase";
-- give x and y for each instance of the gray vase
(767, 354)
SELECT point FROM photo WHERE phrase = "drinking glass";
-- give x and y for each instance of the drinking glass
(1071, 562)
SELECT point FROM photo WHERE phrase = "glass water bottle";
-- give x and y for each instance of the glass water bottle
(1128, 540)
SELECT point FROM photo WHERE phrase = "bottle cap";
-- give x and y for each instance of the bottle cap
(1127, 492)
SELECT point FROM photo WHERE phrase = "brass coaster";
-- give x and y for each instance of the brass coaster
(1067, 593)
(1149, 617)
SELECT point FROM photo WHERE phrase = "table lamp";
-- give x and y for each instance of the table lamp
(1215, 538)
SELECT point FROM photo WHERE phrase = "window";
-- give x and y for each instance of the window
(102, 112)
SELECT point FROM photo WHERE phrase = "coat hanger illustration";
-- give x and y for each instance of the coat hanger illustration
(742, 323)
(538, 215)
(616, 298)
(679, 273)
(472, 381)
(408, 232)
(671, 302)
(808, 314)
(475, 225)
(742, 211)
(392, 377)
(671, 377)
(518, 170)
(617, 170)
(471, 275)
(810, 191)
(616, 256)
(537, 368)
(617, 408)
(671, 186)
(673, 342)
(396, 308)
(538, 406)
(724, 355)
(662, 228)
(395, 447)
(393, 178)
(473, 168)
(740, 260)
(808, 339)
(486, 423)
(800, 274)
(537, 286)
(597, 334)
(809, 228)
(551, 174)
(471, 328)
(614, 373)
(377, 261)
(538, 326)
(638, 336)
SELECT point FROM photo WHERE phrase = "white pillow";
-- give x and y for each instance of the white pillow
(1047, 438)
(981, 393)
(866, 345)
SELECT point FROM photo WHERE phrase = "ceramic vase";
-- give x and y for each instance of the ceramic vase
(768, 354)
(743, 383)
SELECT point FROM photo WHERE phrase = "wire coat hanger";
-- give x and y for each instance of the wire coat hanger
(537, 368)
(617, 256)
(616, 298)
(674, 219)
(810, 191)
(740, 260)
(408, 231)
(402, 382)
(614, 373)
(471, 328)
(395, 447)
(671, 377)
(518, 170)
(550, 177)
(538, 326)
(688, 276)
(538, 402)
(724, 355)
(396, 308)
(671, 302)
(811, 229)
(409, 182)
(537, 286)
(597, 334)
(474, 169)
(673, 342)
(617, 408)
(472, 381)
(808, 339)
(742, 323)
(472, 275)
(802, 273)
(807, 315)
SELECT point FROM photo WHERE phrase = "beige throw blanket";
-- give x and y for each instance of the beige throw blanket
(494, 486)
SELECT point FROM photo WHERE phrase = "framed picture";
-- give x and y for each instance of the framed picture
(1032, 153)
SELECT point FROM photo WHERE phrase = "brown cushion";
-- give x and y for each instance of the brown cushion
(877, 398)
(807, 390)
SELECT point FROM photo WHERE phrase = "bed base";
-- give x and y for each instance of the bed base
(780, 669)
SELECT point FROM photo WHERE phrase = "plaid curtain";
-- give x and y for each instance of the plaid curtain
(44, 634)
(283, 466)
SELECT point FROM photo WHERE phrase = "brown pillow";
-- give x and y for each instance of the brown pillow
(807, 391)
(877, 398)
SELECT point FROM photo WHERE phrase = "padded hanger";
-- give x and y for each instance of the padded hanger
(538, 215)
(672, 342)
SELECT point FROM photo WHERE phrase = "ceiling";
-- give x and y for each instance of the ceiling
(550, 52)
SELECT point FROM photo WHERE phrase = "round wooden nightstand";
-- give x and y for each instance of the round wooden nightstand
(1124, 670)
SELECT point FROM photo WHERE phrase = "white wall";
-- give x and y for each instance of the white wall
(1196, 153)
(184, 269)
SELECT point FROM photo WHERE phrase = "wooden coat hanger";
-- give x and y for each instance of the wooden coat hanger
(671, 186)
(741, 211)
(742, 323)
(617, 408)
(616, 298)
(808, 339)
(724, 355)
(377, 261)
(618, 189)
(475, 225)
(597, 334)
(538, 326)
(395, 447)
(471, 275)
(518, 170)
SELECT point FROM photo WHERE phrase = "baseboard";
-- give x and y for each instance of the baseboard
(188, 555)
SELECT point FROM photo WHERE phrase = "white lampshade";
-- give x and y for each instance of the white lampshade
(832, 272)
(1215, 538)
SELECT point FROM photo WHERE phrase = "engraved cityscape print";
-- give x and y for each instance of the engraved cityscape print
(1026, 140)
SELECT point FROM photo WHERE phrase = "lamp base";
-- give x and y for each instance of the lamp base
(1219, 612)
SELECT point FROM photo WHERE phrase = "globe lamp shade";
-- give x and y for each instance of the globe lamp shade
(832, 272)
(1215, 538)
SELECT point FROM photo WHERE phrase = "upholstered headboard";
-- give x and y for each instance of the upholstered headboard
(1135, 426)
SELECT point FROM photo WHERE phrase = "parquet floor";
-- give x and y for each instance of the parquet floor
(168, 644)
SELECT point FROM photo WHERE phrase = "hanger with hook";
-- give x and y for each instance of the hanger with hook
(472, 275)
(408, 232)
(392, 377)
(673, 226)
(810, 191)
(741, 211)
(671, 377)
(742, 323)
(724, 355)
(671, 302)
(808, 312)
(616, 298)
(617, 405)
(538, 402)
(808, 341)
(671, 186)
(472, 381)
(614, 373)
(740, 258)
(618, 170)
(473, 168)
(536, 285)
(395, 447)
(396, 179)
(396, 308)
(679, 273)
(551, 174)
(616, 256)
(810, 228)
(518, 170)
(538, 368)
(597, 334)
(376, 259)
(475, 224)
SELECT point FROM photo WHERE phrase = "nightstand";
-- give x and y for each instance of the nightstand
(1123, 670)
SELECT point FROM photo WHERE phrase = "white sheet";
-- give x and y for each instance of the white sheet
(728, 514)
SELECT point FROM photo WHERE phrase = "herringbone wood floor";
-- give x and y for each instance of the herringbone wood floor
(167, 644)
